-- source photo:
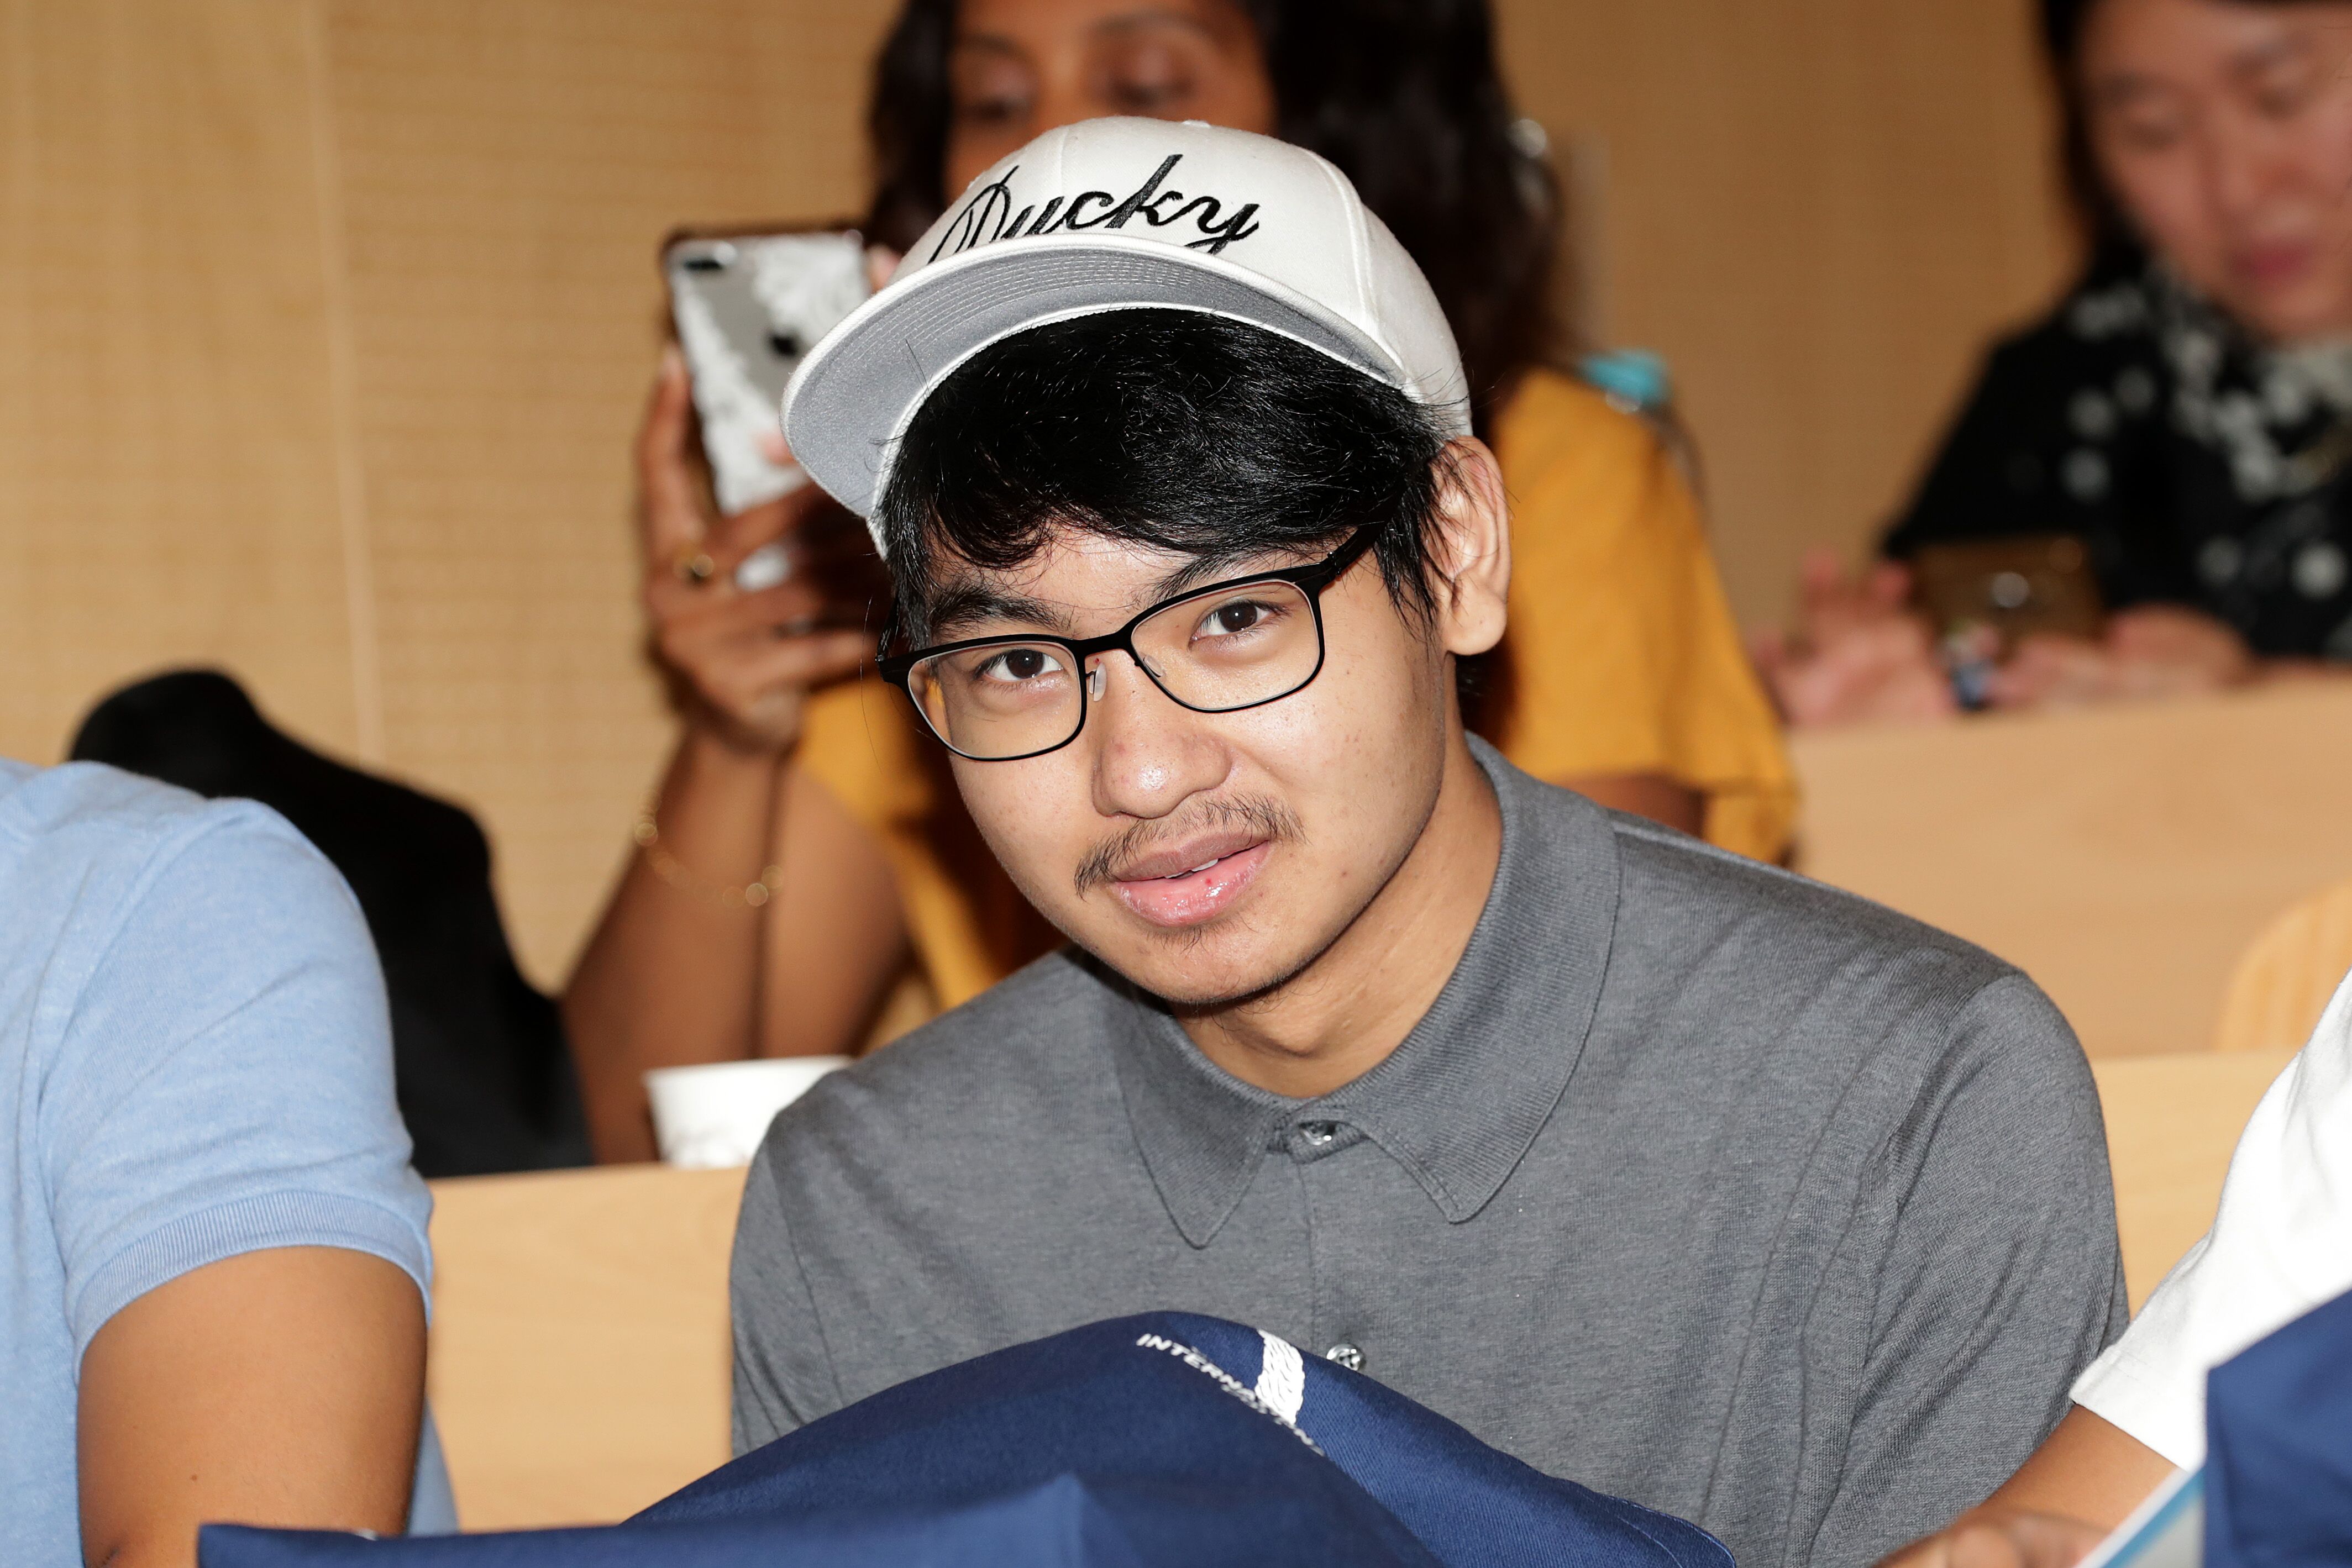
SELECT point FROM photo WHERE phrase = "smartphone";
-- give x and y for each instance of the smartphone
(2013, 588)
(748, 307)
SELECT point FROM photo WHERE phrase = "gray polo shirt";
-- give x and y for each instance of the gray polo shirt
(1700, 1184)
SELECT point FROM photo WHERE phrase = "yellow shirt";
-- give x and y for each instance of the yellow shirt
(1622, 657)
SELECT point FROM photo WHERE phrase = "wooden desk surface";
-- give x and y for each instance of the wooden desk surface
(580, 1362)
(2123, 857)
(581, 1355)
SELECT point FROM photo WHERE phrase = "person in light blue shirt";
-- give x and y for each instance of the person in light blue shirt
(213, 1253)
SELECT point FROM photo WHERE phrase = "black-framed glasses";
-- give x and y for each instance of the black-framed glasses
(1236, 644)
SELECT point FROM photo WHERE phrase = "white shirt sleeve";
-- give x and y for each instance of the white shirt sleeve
(2281, 1245)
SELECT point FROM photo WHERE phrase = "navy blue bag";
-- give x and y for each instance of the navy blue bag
(2278, 1447)
(1167, 1438)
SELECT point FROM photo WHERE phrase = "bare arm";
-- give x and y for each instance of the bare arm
(671, 977)
(676, 971)
(277, 1387)
(2082, 1482)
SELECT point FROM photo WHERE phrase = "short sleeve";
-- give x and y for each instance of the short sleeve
(783, 1379)
(223, 1083)
(1999, 1276)
(1622, 656)
(2281, 1245)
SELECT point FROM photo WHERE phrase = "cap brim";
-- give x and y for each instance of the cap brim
(850, 402)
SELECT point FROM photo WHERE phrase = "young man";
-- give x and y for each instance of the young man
(212, 1285)
(1669, 1174)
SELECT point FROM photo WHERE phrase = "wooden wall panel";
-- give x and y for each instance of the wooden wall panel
(509, 169)
(326, 323)
(168, 464)
(1817, 210)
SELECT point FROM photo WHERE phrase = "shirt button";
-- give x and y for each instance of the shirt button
(1346, 1356)
(1318, 1134)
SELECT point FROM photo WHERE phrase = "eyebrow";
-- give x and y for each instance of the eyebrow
(2130, 86)
(1206, 568)
(964, 605)
(2259, 58)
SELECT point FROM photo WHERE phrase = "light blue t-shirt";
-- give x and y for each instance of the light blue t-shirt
(196, 1062)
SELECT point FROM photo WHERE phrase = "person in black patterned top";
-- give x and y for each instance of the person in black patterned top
(2185, 410)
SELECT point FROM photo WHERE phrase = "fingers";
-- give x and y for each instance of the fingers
(1879, 670)
(757, 686)
(732, 538)
(1888, 585)
(1981, 1546)
(669, 508)
(2021, 1541)
(801, 662)
(1833, 606)
(2047, 669)
(1821, 576)
(707, 614)
(881, 261)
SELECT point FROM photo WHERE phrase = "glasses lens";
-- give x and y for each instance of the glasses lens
(1006, 699)
(1236, 647)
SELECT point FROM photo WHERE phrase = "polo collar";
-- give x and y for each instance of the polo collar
(1461, 1099)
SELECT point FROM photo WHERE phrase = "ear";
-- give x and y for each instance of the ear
(1472, 551)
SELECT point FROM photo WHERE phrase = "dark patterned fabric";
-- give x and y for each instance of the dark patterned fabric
(2197, 467)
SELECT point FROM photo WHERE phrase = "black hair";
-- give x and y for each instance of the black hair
(2108, 232)
(1167, 428)
(1403, 94)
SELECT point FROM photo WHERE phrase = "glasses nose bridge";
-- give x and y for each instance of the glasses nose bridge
(1093, 659)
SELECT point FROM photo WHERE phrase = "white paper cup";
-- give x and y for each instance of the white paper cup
(712, 1116)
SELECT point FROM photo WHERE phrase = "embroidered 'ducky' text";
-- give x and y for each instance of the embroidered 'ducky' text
(1226, 1381)
(988, 216)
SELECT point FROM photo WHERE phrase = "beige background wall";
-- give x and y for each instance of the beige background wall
(323, 323)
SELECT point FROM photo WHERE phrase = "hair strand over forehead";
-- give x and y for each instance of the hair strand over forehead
(1170, 429)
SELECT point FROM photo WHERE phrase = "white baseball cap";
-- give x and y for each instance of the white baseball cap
(1121, 214)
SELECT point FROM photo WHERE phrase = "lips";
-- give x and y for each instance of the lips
(2274, 264)
(1193, 882)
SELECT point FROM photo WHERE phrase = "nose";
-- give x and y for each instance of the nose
(2242, 166)
(1151, 754)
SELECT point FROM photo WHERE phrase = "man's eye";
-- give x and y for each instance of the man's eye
(1020, 665)
(1235, 616)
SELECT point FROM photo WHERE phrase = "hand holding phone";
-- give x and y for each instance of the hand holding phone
(773, 595)
(740, 663)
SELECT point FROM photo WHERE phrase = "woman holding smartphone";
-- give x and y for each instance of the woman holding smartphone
(2185, 412)
(803, 851)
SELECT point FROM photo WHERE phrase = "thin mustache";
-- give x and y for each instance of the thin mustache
(1270, 818)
